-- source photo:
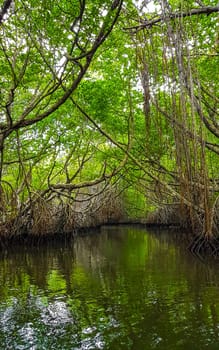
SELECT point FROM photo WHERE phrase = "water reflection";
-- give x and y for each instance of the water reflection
(123, 288)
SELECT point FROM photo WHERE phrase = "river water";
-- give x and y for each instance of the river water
(121, 288)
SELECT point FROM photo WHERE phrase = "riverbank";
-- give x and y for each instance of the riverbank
(45, 223)
(30, 239)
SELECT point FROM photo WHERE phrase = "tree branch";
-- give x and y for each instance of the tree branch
(198, 11)
(4, 9)
(101, 37)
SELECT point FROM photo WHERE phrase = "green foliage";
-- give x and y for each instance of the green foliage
(73, 105)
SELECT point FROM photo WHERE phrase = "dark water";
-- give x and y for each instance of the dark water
(122, 288)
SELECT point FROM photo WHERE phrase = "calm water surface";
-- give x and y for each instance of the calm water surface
(123, 288)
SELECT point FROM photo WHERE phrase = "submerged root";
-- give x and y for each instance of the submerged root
(204, 246)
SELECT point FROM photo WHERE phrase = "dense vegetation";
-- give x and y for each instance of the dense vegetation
(109, 110)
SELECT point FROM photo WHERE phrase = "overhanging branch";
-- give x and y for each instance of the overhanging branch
(171, 16)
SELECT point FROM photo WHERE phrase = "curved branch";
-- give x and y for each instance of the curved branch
(101, 37)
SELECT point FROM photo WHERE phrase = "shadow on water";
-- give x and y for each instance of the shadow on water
(122, 288)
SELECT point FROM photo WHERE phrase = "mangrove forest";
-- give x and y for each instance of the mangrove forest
(109, 113)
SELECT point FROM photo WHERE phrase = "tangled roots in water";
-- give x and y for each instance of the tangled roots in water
(204, 246)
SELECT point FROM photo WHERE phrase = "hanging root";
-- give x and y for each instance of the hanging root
(204, 246)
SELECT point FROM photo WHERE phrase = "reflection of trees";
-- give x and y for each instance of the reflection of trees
(20, 267)
(168, 293)
(120, 284)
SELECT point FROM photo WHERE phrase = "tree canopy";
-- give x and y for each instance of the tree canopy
(110, 93)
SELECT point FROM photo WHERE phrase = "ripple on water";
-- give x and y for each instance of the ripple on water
(95, 342)
(56, 314)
